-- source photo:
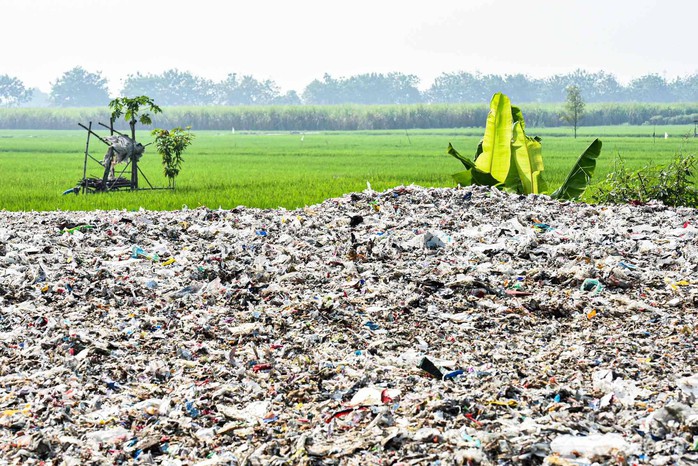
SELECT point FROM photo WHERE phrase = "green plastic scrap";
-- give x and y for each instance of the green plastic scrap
(591, 284)
(70, 231)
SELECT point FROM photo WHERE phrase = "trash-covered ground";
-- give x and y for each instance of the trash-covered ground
(409, 327)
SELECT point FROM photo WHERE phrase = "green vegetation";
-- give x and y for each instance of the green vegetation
(354, 117)
(574, 107)
(505, 157)
(509, 159)
(130, 108)
(292, 170)
(674, 183)
(579, 177)
(171, 145)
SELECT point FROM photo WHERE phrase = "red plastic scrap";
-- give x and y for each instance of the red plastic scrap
(385, 398)
(343, 412)
(261, 367)
(472, 418)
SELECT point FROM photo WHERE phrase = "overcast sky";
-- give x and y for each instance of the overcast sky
(296, 41)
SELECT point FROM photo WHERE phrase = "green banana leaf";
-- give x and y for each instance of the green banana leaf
(527, 157)
(517, 115)
(496, 144)
(512, 183)
(472, 175)
(535, 152)
(578, 179)
(464, 160)
(464, 178)
(478, 151)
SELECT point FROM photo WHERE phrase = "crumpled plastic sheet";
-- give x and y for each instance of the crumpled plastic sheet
(251, 336)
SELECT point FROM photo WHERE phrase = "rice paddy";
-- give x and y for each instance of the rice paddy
(290, 170)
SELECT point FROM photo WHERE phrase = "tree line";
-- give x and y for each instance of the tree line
(81, 88)
(351, 117)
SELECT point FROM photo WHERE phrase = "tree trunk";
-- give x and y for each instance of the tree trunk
(134, 162)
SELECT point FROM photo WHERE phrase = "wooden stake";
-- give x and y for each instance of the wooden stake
(84, 165)
(134, 162)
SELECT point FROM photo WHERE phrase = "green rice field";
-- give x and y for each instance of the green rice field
(269, 170)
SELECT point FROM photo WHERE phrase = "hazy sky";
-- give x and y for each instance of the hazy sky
(296, 41)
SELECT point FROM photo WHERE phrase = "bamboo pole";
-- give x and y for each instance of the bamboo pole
(107, 166)
(93, 133)
(134, 162)
(146, 179)
(84, 164)
(111, 129)
(116, 178)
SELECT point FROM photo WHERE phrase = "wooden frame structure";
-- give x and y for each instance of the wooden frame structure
(105, 183)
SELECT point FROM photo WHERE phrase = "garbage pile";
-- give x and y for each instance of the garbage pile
(407, 327)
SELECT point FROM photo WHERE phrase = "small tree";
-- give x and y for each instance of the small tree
(171, 145)
(574, 107)
(131, 109)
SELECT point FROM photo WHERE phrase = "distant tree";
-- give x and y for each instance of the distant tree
(491, 84)
(650, 88)
(368, 88)
(457, 87)
(327, 91)
(378, 88)
(289, 98)
(139, 84)
(574, 107)
(80, 88)
(172, 87)
(12, 91)
(607, 89)
(686, 89)
(246, 91)
(522, 88)
(39, 98)
(403, 88)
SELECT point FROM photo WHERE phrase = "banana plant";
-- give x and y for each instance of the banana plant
(511, 160)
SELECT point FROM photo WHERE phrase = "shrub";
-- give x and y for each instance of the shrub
(672, 184)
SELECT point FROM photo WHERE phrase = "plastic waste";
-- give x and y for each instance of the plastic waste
(432, 241)
(626, 391)
(594, 446)
(689, 385)
(356, 220)
(138, 253)
(430, 368)
(72, 230)
(110, 436)
(591, 284)
(326, 343)
(368, 396)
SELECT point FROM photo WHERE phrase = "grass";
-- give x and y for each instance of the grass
(272, 170)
